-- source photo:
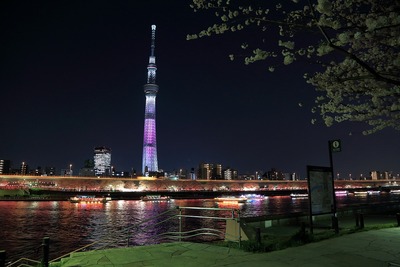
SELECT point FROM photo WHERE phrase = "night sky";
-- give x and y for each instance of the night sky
(72, 76)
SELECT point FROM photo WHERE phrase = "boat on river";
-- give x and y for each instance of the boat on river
(155, 198)
(231, 199)
(360, 193)
(89, 199)
(340, 193)
(254, 197)
(293, 195)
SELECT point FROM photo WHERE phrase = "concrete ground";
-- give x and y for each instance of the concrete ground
(370, 248)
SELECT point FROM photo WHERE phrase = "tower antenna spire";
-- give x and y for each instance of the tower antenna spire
(152, 68)
(153, 39)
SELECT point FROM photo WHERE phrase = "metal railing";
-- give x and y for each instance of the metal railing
(234, 216)
(123, 238)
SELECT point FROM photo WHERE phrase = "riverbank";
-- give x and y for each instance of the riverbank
(59, 195)
(134, 186)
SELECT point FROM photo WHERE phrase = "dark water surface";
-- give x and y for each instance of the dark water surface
(69, 226)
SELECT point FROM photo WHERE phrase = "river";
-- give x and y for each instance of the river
(70, 226)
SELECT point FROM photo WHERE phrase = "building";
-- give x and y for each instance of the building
(50, 171)
(24, 168)
(209, 171)
(149, 160)
(102, 161)
(204, 171)
(192, 174)
(230, 174)
(38, 171)
(5, 166)
(86, 172)
(217, 172)
(274, 174)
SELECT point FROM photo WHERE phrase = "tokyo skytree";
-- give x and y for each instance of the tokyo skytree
(149, 161)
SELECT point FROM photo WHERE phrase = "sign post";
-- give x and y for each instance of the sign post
(334, 146)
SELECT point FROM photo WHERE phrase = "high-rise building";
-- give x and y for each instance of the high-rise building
(5, 166)
(102, 161)
(204, 172)
(208, 171)
(230, 174)
(24, 168)
(149, 161)
(217, 172)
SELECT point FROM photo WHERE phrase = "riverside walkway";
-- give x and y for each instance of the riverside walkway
(368, 249)
(372, 248)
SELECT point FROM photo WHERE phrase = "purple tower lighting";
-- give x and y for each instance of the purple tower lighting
(149, 162)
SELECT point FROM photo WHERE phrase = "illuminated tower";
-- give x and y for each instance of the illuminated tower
(149, 162)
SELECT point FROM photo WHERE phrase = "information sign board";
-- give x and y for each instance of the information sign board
(320, 190)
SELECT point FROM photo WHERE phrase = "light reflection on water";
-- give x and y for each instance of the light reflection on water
(70, 226)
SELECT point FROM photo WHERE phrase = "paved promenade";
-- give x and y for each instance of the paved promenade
(370, 248)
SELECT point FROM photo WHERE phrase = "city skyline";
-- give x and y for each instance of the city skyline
(72, 79)
(104, 167)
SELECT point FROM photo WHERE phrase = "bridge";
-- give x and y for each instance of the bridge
(73, 184)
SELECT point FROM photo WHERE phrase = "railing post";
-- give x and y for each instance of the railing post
(240, 229)
(2, 258)
(258, 236)
(127, 238)
(335, 223)
(361, 220)
(303, 229)
(46, 249)
(180, 224)
(357, 220)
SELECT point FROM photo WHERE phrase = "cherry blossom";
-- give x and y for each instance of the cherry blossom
(352, 48)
